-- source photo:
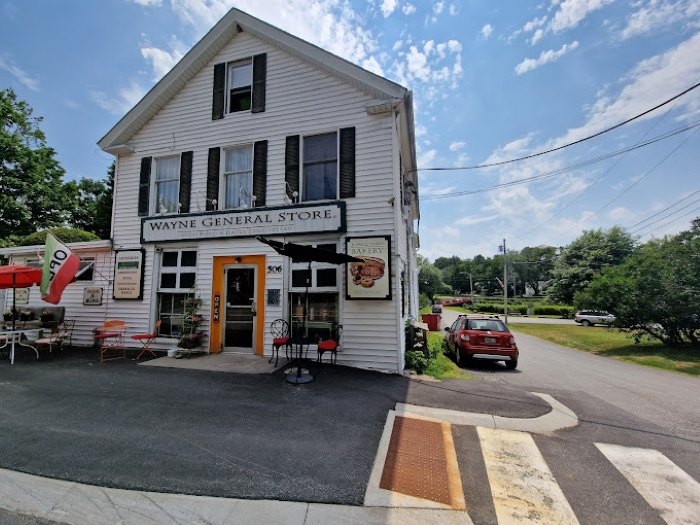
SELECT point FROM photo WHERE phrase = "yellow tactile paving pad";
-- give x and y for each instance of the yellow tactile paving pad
(421, 462)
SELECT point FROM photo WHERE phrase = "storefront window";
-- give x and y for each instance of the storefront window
(322, 313)
(176, 285)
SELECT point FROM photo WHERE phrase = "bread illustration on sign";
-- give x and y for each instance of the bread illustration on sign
(367, 272)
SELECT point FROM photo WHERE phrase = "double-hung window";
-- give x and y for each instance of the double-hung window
(240, 81)
(178, 272)
(320, 168)
(167, 184)
(238, 177)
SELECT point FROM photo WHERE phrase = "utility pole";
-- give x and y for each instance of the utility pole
(471, 288)
(505, 282)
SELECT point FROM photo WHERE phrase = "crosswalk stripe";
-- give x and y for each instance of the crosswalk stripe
(665, 486)
(524, 489)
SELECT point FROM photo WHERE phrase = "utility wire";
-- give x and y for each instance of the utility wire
(566, 169)
(629, 228)
(602, 176)
(691, 212)
(692, 203)
(579, 141)
(640, 179)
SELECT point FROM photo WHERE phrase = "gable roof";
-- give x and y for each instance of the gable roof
(234, 22)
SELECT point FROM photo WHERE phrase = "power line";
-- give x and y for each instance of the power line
(502, 162)
(660, 212)
(691, 212)
(640, 179)
(692, 203)
(566, 169)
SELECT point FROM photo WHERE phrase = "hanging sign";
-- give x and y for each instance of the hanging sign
(217, 309)
(370, 279)
(128, 274)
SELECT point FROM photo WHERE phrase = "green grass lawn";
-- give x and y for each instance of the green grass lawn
(613, 343)
(442, 367)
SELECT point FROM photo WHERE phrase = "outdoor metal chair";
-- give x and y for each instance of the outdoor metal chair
(146, 341)
(279, 328)
(331, 345)
(110, 337)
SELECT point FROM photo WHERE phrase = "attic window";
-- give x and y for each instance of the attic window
(240, 80)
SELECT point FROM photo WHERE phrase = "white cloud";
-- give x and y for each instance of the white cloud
(456, 146)
(372, 65)
(20, 74)
(620, 214)
(408, 9)
(425, 159)
(434, 66)
(161, 61)
(126, 99)
(572, 12)
(658, 14)
(537, 36)
(475, 219)
(388, 7)
(534, 23)
(545, 57)
(486, 31)
(650, 82)
(149, 3)
(438, 7)
(453, 10)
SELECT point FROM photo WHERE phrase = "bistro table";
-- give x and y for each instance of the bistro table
(13, 338)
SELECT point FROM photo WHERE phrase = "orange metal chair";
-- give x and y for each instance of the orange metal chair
(111, 340)
(146, 341)
(279, 328)
(332, 345)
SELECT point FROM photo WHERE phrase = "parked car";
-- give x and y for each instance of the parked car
(481, 337)
(437, 308)
(591, 317)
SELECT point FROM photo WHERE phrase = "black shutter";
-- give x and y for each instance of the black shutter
(213, 178)
(259, 172)
(144, 186)
(219, 94)
(291, 165)
(259, 74)
(185, 181)
(347, 163)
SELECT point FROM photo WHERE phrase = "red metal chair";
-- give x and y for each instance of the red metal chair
(146, 341)
(279, 328)
(332, 345)
(110, 337)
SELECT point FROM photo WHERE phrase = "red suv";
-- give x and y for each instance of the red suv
(474, 337)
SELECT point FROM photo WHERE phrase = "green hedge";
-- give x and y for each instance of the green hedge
(518, 308)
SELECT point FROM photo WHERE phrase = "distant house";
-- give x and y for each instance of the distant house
(256, 132)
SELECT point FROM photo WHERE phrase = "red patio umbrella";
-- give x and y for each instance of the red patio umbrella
(18, 276)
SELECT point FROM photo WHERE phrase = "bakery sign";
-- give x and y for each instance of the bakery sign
(371, 278)
(287, 220)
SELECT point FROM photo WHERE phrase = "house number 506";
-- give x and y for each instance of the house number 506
(274, 269)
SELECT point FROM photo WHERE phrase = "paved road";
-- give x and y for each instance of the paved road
(667, 400)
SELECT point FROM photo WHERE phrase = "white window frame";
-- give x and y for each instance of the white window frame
(231, 66)
(302, 171)
(177, 270)
(154, 210)
(222, 182)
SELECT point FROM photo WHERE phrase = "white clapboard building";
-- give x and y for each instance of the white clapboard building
(258, 133)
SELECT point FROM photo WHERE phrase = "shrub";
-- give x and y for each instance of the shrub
(552, 309)
(417, 361)
(63, 234)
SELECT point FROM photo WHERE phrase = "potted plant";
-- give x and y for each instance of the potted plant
(7, 316)
(46, 316)
(191, 335)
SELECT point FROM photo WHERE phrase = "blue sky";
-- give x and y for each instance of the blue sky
(492, 80)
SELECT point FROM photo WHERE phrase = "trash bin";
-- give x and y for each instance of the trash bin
(432, 320)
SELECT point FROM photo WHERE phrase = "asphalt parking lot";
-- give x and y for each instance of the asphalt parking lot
(213, 433)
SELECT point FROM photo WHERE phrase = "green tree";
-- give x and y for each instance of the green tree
(63, 234)
(430, 279)
(30, 176)
(533, 265)
(656, 291)
(91, 208)
(587, 257)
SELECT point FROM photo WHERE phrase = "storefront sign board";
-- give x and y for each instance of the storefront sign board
(287, 220)
(128, 274)
(372, 278)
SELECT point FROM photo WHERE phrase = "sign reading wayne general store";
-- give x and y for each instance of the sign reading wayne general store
(329, 217)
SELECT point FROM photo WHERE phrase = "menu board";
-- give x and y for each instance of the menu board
(371, 278)
(128, 274)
